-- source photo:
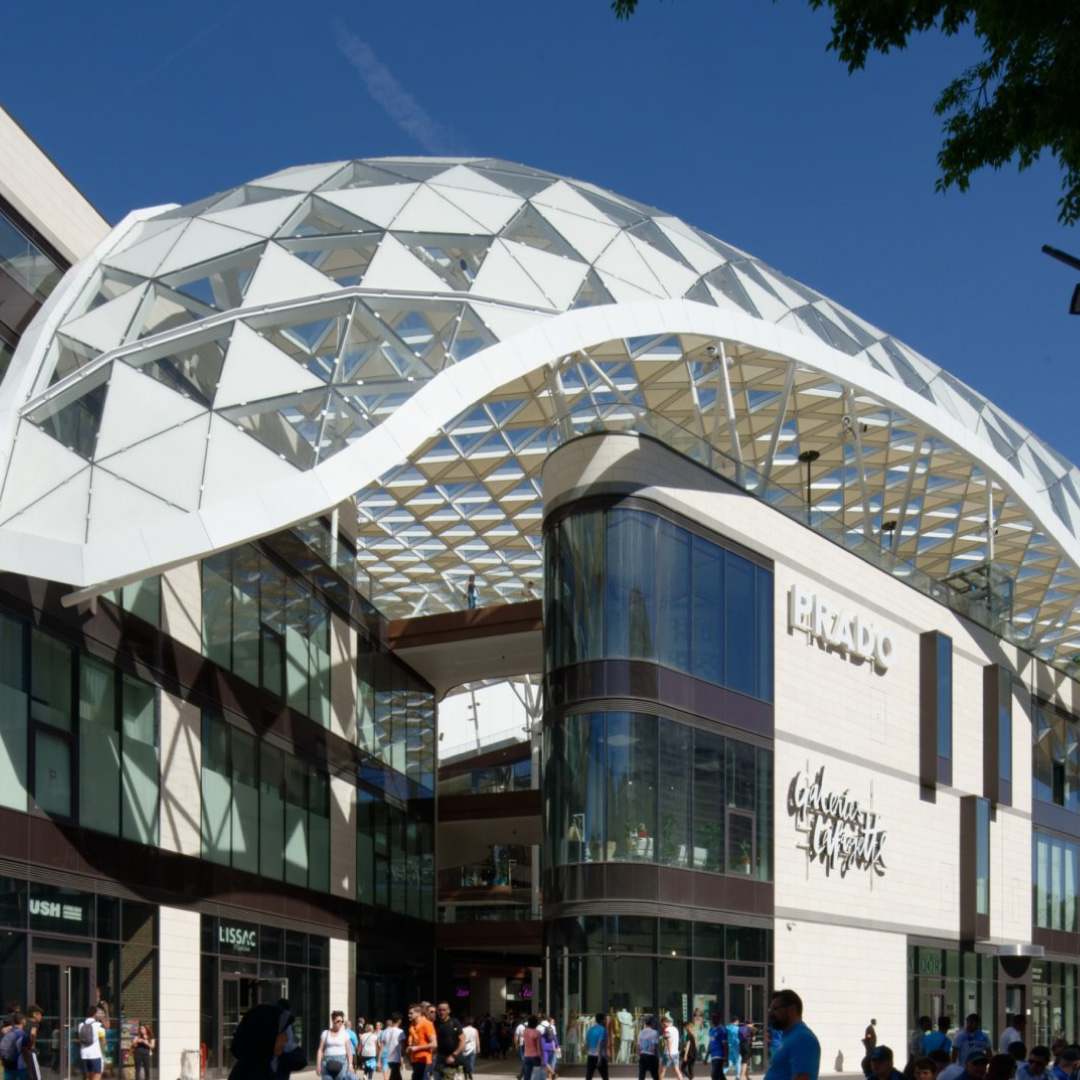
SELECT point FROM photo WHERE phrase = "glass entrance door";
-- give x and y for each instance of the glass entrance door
(62, 989)
(238, 994)
(748, 1001)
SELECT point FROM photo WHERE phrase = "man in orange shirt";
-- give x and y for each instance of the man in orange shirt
(421, 1041)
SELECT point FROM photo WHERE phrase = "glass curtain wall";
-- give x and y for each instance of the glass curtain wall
(628, 966)
(1056, 757)
(1055, 877)
(625, 584)
(1055, 1002)
(633, 787)
(268, 628)
(263, 810)
(948, 982)
(94, 731)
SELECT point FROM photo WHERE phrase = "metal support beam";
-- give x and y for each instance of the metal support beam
(860, 464)
(765, 468)
(905, 500)
(729, 408)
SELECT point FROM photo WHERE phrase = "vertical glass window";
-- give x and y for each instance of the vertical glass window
(982, 856)
(99, 747)
(674, 792)
(630, 600)
(13, 714)
(739, 619)
(319, 825)
(141, 768)
(707, 624)
(296, 822)
(708, 801)
(631, 786)
(673, 607)
(50, 681)
(245, 801)
(365, 694)
(216, 791)
(580, 802)
(271, 812)
(1005, 731)
(52, 774)
(944, 697)
(763, 591)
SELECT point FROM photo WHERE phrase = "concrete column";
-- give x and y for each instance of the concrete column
(178, 988)
(342, 977)
(181, 604)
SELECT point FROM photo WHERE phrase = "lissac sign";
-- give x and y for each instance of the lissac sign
(850, 632)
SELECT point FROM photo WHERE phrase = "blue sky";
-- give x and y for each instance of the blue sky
(731, 115)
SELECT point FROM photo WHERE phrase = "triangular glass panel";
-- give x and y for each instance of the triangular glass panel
(700, 293)
(317, 217)
(529, 227)
(829, 332)
(314, 345)
(289, 426)
(248, 195)
(68, 355)
(193, 209)
(168, 310)
(592, 292)
(362, 174)
(728, 252)
(470, 336)
(193, 369)
(107, 284)
(73, 418)
(755, 275)
(621, 215)
(726, 281)
(905, 370)
(342, 426)
(651, 234)
(415, 170)
(343, 259)
(456, 259)
(524, 184)
(219, 284)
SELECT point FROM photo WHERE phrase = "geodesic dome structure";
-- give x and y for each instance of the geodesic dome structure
(409, 331)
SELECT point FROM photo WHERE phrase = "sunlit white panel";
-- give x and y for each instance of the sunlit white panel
(38, 464)
(281, 276)
(61, 514)
(501, 277)
(169, 464)
(260, 218)
(115, 501)
(589, 235)
(699, 255)
(505, 322)
(107, 326)
(490, 211)
(394, 267)
(771, 307)
(466, 179)
(379, 205)
(622, 260)
(145, 255)
(201, 242)
(559, 277)
(675, 278)
(236, 463)
(561, 196)
(255, 369)
(136, 407)
(624, 292)
(428, 211)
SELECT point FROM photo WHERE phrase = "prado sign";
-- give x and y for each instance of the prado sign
(850, 632)
(839, 833)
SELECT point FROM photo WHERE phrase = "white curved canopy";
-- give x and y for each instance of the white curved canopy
(408, 331)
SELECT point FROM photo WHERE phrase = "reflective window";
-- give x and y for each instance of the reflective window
(982, 856)
(1056, 757)
(1055, 876)
(624, 584)
(262, 810)
(631, 787)
(944, 696)
(23, 260)
(142, 598)
(1005, 729)
(395, 846)
(266, 627)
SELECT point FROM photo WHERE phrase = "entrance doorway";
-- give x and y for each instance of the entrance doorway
(747, 1000)
(62, 988)
(237, 994)
(1043, 1029)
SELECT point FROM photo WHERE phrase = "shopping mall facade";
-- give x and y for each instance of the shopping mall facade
(805, 610)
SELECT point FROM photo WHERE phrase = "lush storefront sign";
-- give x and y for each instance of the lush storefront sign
(840, 834)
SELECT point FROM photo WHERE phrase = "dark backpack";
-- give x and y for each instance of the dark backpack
(9, 1049)
(86, 1033)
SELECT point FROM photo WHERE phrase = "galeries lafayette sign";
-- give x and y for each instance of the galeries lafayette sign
(840, 834)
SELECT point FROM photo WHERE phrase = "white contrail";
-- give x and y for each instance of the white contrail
(405, 111)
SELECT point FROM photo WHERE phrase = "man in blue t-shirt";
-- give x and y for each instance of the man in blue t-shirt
(970, 1041)
(799, 1054)
(733, 1047)
(596, 1048)
(938, 1040)
(717, 1046)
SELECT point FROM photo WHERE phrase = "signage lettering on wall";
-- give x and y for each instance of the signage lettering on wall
(242, 940)
(52, 909)
(839, 833)
(850, 632)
